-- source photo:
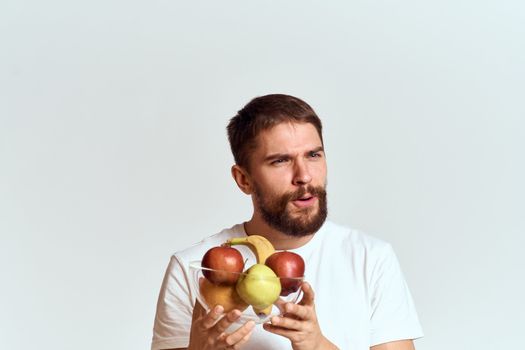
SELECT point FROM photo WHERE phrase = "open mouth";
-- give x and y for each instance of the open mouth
(304, 201)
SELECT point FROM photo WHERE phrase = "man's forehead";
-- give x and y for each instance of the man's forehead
(286, 137)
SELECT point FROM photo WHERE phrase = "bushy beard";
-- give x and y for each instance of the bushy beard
(306, 221)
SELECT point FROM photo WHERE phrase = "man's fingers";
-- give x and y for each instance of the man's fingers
(278, 330)
(211, 318)
(240, 336)
(288, 323)
(280, 303)
(308, 294)
(292, 310)
(226, 321)
(244, 340)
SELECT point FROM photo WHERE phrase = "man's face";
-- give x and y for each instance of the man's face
(288, 172)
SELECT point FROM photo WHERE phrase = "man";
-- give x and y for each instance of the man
(361, 300)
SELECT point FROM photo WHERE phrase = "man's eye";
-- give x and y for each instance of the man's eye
(315, 154)
(279, 161)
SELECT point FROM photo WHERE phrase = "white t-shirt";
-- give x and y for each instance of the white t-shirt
(361, 297)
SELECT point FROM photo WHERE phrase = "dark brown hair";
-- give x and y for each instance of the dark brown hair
(263, 113)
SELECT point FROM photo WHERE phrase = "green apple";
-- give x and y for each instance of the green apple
(260, 287)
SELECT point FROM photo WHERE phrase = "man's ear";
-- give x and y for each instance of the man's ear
(242, 178)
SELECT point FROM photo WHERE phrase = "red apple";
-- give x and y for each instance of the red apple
(288, 266)
(227, 263)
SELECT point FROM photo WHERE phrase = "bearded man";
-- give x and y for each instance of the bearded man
(361, 300)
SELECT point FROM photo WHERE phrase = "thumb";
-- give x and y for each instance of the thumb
(308, 294)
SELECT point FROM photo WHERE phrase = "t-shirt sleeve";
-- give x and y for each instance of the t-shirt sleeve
(393, 314)
(174, 309)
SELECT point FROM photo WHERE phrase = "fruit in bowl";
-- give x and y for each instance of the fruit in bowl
(246, 295)
(220, 262)
(219, 279)
(287, 265)
(259, 287)
(223, 295)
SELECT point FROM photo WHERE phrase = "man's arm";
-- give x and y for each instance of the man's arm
(395, 345)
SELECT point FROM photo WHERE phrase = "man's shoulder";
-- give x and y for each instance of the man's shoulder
(197, 250)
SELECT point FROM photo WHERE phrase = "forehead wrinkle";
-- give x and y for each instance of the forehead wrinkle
(294, 141)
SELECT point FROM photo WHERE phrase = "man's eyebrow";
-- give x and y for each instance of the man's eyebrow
(277, 156)
(317, 149)
(288, 156)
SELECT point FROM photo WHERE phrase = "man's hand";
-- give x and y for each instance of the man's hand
(299, 324)
(208, 330)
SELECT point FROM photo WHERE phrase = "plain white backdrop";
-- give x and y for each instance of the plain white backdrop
(113, 151)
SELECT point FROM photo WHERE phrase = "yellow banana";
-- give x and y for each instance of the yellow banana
(259, 245)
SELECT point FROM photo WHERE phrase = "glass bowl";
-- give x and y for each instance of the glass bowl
(209, 294)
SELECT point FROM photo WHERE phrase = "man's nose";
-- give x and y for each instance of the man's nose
(301, 174)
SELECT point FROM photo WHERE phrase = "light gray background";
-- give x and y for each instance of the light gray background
(113, 151)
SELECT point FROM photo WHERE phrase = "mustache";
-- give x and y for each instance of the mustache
(314, 191)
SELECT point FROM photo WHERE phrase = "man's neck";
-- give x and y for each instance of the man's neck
(280, 240)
